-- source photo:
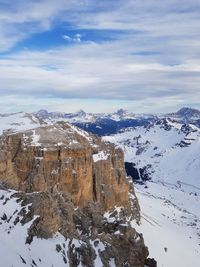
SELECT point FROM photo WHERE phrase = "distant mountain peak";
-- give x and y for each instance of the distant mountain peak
(42, 111)
(121, 112)
(81, 113)
(189, 112)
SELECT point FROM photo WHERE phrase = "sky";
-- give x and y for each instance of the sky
(99, 56)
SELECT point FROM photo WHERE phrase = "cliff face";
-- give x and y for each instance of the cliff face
(77, 186)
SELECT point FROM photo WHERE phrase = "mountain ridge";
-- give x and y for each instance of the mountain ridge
(64, 187)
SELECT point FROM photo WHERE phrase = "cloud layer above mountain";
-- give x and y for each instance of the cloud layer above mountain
(142, 54)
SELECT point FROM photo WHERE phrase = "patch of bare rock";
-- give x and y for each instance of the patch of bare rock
(76, 185)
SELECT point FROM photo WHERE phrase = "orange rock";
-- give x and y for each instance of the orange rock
(62, 158)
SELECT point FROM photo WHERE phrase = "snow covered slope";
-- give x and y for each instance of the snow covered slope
(99, 123)
(13, 247)
(171, 150)
(168, 151)
(170, 202)
(16, 122)
(187, 115)
(111, 123)
(170, 223)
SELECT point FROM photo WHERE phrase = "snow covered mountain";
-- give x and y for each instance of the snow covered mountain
(168, 154)
(65, 199)
(99, 123)
(18, 122)
(13, 248)
(187, 115)
(155, 149)
(110, 123)
(162, 155)
(69, 117)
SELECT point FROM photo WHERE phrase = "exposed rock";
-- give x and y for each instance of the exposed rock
(150, 262)
(76, 185)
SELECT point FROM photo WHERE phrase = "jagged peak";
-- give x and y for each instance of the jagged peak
(186, 111)
(121, 112)
(42, 111)
(165, 123)
(81, 113)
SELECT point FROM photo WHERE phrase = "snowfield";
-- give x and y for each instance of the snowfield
(171, 150)
(13, 250)
(170, 223)
(18, 122)
(170, 202)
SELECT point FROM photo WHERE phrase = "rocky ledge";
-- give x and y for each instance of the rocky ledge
(72, 184)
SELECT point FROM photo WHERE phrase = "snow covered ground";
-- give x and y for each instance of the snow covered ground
(52, 252)
(13, 250)
(18, 122)
(170, 202)
(170, 223)
(171, 150)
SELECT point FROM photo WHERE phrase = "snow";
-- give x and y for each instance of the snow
(109, 217)
(170, 205)
(170, 224)
(170, 213)
(41, 252)
(82, 117)
(117, 232)
(86, 135)
(18, 122)
(59, 143)
(112, 262)
(98, 247)
(55, 171)
(102, 155)
(12, 242)
(79, 131)
(161, 149)
(35, 139)
(76, 243)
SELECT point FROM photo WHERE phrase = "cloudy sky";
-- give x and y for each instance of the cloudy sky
(99, 55)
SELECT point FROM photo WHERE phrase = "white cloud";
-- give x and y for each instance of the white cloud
(104, 71)
(66, 37)
(74, 38)
(153, 60)
(77, 37)
(23, 18)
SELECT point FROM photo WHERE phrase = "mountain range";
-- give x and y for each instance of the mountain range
(110, 123)
(161, 155)
(65, 199)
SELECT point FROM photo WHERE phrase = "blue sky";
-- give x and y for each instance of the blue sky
(99, 55)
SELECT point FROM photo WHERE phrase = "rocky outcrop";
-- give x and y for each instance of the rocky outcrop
(150, 263)
(76, 185)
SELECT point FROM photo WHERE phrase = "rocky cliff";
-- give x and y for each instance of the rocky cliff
(71, 183)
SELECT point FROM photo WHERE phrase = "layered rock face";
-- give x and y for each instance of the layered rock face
(76, 185)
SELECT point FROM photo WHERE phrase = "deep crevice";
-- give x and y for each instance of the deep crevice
(94, 189)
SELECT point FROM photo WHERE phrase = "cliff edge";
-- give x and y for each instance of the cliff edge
(72, 184)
